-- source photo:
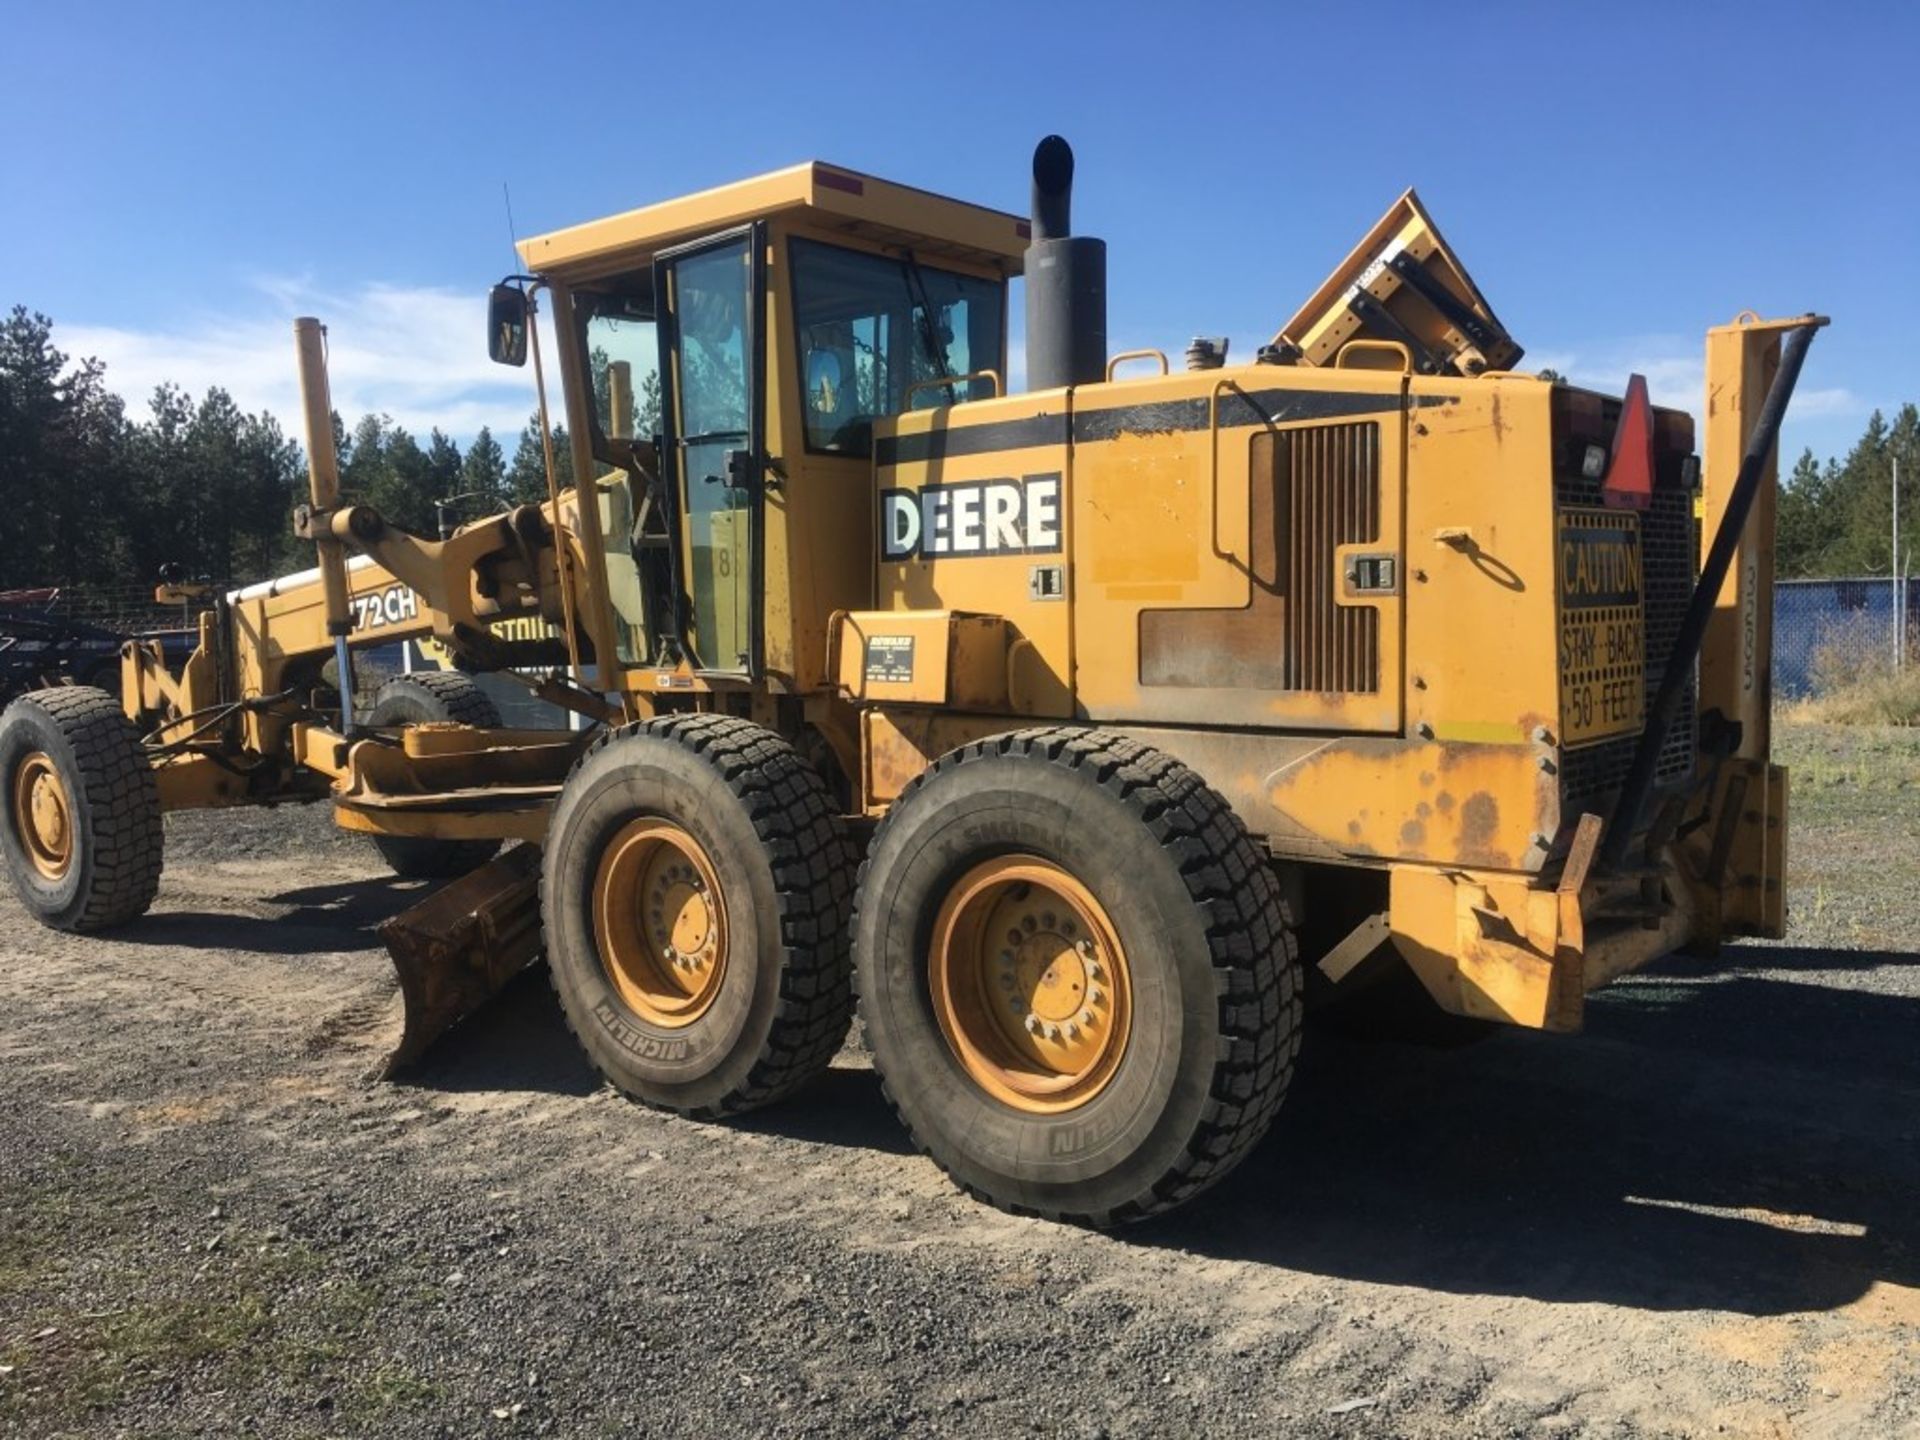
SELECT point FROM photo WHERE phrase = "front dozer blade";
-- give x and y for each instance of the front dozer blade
(459, 947)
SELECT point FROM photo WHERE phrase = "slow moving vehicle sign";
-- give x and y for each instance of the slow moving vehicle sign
(1603, 680)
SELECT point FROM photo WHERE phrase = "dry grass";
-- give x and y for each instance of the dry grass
(1858, 686)
(1851, 867)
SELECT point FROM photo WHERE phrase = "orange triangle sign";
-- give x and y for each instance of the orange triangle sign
(1629, 482)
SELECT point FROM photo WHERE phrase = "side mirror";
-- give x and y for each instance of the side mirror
(507, 325)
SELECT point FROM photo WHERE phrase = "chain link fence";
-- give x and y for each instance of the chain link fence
(129, 608)
(55, 633)
(1833, 635)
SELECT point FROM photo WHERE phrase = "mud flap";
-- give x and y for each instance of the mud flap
(459, 947)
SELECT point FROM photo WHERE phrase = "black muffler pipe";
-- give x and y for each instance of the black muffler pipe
(1066, 281)
(1706, 595)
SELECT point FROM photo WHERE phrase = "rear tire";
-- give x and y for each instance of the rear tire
(1068, 843)
(695, 895)
(82, 832)
(434, 697)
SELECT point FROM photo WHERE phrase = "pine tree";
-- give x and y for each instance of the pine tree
(647, 422)
(484, 471)
(443, 464)
(63, 461)
(527, 476)
(1804, 523)
(409, 491)
(163, 492)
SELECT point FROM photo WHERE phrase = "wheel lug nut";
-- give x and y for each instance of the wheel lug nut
(1086, 1017)
(1033, 1024)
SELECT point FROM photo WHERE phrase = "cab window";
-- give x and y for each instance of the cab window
(620, 337)
(623, 359)
(871, 327)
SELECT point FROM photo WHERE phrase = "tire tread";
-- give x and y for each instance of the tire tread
(789, 807)
(122, 800)
(1248, 929)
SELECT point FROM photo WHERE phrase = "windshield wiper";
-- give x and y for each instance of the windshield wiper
(929, 336)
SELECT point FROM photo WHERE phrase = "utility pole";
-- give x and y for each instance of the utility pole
(1899, 609)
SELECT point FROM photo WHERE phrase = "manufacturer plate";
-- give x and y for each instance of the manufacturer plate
(1603, 655)
(890, 659)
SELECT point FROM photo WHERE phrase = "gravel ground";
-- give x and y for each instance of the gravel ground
(1698, 1218)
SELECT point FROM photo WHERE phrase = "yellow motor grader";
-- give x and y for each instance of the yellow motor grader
(1078, 730)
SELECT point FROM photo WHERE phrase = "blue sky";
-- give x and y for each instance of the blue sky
(182, 180)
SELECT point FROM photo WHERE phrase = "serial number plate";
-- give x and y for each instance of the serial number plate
(1603, 659)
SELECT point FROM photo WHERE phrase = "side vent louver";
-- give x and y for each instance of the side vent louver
(1331, 477)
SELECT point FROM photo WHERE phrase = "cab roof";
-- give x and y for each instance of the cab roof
(832, 197)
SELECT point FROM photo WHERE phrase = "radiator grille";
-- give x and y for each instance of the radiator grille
(1669, 546)
(1331, 477)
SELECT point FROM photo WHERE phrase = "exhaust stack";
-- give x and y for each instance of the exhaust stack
(1066, 281)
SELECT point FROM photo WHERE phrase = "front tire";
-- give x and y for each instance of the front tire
(82, 831)
(1114, 907)
(695, 895)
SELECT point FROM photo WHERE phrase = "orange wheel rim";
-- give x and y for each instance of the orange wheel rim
(1030, 984)
(43, 815)
(660, 923)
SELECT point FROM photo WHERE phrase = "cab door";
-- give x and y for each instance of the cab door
(712, 296)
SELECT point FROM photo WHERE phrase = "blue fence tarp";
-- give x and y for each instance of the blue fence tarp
(1850, 620)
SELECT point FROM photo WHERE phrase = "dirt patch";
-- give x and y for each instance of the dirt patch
(1697, 1218)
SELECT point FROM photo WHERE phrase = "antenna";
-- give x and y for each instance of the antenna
(513, 236)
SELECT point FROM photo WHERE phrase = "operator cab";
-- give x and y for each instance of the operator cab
(723, 351)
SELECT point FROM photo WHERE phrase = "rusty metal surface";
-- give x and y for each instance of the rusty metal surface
(455, 950)
(1507, 948)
